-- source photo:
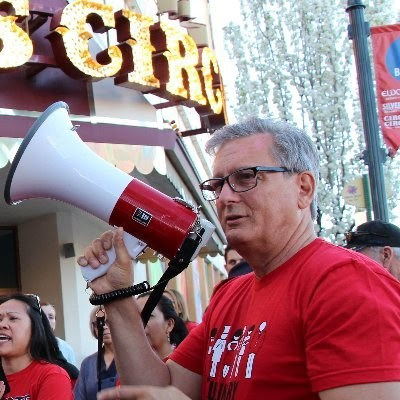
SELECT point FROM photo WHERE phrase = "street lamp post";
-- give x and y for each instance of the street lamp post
(374, 156)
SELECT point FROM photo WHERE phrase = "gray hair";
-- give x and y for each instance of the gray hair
(377, 250)
(293, 148)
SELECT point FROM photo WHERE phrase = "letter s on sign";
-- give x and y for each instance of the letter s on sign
(15, 45)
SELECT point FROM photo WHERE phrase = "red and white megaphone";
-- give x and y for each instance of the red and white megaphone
(53, 162)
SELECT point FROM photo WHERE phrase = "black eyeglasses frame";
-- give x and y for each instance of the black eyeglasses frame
(224, 179)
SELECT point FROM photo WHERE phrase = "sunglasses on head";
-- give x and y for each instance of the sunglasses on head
(36, 302)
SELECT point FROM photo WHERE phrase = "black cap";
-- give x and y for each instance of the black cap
(373, 233)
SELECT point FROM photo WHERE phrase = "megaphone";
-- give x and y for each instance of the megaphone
(53, 162)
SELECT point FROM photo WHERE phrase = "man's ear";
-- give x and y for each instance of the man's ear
(307, 184)
(387, 255)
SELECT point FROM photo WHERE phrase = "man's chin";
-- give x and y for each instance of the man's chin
(236, 238)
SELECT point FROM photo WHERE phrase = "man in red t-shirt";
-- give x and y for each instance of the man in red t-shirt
(313, 321)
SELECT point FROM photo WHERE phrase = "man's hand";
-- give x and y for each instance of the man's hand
(119, 274)
(2, 389)
(142, 393)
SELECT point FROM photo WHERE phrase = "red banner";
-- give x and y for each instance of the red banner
(386, 52)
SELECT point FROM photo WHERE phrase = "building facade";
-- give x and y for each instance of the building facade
(148, 134)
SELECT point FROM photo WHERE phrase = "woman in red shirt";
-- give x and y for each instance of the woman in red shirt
(165, 330)
(180, 307)
(28, 352)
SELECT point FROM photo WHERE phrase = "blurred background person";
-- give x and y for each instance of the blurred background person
(64, 347)
(235, 264)
(28, 351)
(165, 329)
(379, 241)
(180, 306)
(2, 389)
(86, 385)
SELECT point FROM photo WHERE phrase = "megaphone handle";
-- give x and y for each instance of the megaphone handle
(134, 247)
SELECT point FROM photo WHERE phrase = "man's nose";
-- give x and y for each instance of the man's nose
(227, 193)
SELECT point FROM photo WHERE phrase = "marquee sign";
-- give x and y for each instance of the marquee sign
(158, 58)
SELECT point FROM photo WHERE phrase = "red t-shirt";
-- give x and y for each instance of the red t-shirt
(326, 318)
(190, 325)
(40, 381)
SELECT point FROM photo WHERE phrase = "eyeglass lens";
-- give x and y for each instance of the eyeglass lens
(239, 181)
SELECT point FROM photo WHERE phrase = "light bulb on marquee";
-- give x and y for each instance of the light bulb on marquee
(158, 58)
(137, 38)
(16, 46)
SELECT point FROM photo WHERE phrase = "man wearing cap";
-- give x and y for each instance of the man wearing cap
(379, 241)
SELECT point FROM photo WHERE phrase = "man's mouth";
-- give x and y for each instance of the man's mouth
(233, 218)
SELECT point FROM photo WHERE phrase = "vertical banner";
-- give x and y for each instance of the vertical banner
(386, 54)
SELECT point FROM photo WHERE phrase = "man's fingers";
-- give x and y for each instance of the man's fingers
(107, 239)
(96, 254)
(121, 252)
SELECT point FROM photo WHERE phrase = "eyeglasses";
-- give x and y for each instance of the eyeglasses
(36, 304)
(239, 181)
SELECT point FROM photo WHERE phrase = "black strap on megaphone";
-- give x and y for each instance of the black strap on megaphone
(100, 322)
(178, 264)
(175, 267)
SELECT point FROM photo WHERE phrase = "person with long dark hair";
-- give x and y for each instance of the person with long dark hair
(87, 384)
(165, 329)
(180, 306)
(29, 351)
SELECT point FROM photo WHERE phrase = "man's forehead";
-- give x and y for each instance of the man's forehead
(243, 152)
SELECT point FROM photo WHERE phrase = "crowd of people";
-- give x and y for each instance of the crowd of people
(297, 318)
(38, 365)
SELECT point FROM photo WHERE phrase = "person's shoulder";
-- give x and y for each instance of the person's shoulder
(89, 360)
(190, 325)
(63, 344)
(324, 258)
(45, 368)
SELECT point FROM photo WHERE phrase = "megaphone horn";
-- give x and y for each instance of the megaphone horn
(53, 162)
